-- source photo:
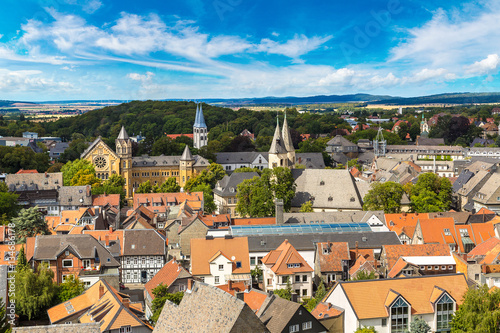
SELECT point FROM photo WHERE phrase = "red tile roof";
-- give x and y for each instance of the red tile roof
(394, 252)
(166, 276)
(102, 200)
(483, 248)
(330, 256)
(254, 221)
(26, 171)
(283, 256)
(326, 310)
(175, 136)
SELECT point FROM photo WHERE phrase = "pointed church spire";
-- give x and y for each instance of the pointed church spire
(287, 139)
(277, 146)
(186, 155)
(200, 120)
(123, 134)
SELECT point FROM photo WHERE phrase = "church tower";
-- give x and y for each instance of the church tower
(278, 155)
(287, 140)
(200, 132)
(124, 152)
(186, 166)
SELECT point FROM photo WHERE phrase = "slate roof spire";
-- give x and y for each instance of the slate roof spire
(123, 134)
(186, 155)
(199, 120)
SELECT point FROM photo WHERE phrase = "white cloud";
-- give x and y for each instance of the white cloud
(143, 78)
(29, 80)
(293, 48)
(452, 39)
(426, 74)
(485, 66)
(89, 6)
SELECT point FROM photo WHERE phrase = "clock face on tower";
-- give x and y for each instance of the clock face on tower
(100, 162)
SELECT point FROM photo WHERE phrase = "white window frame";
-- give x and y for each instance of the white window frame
(294, 328)
(307, 325)
(66, 260)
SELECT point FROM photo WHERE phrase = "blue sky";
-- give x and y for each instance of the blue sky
(196, 49)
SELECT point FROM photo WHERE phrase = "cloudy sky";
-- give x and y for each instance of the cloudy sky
(195, 49)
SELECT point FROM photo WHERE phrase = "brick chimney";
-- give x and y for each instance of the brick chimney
(110, 229)
(357, 250)
(230, 285)
(101, 291)
(190, 284)
(106, 239)
(126, 302)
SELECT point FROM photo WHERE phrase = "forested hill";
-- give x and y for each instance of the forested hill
(453, 98)
(151, 118)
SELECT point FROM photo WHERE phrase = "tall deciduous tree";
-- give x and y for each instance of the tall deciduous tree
(307, 207)
(144, 187)
(29, 223)
(8, 204)
(384, 196)
(70, 288)
(72, 168)
(431, 193)
(479, 312)
(170, 186)
(35, 292)
(256, 196)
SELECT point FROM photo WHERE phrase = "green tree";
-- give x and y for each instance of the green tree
(363, 275)
(285, 293)
(431, 193)
(4, 320)
(170, 186)
(210, 176)
(479, 312)
(22, 262)
(307, 207)
(419, 326)
(35, 292)
(114, 185)
(161, 295)
(71, 287)
(247, 169)
(256, 274)
(29, 223)
(318, 297)
(74, 150)
(9, 206)
(70, 170)
(144, 187)
(384, 196)
(256, 196)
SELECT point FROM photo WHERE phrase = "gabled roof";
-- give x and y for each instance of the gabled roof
(202, 251)
(111, 312)
(369, 298)
(94, 144)
(228, 185)
(83, 246)
(277, 313)
(193, 313)
(483, 248)
(143, 242)
(324, 311)
(330, 256)
(284, 256)
(102, 200)
(319, 186)
(394, 252)
(404, 222)
(167, 275)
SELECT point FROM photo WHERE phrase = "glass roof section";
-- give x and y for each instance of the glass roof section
(299, 229)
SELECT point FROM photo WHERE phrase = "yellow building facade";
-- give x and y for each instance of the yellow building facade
(139, 169)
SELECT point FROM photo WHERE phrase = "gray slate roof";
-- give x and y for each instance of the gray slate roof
(142, 242)
(462, 179)
(326, 188)
(75, 196)
(331, 217)
(310, 160)
(58, 149)
(34, 181)
(161, 161)
(277, 312)
(208, 309)
(83, 246)
(305, 242)
(240, 157)
(227, 186)
(64, 328)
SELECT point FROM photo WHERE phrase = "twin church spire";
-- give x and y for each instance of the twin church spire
(282, 152)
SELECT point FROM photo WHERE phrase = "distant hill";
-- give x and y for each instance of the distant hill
(7, 104)
(302, 100)
(454, 98)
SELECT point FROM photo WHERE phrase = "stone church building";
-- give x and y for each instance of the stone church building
(138, 169)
